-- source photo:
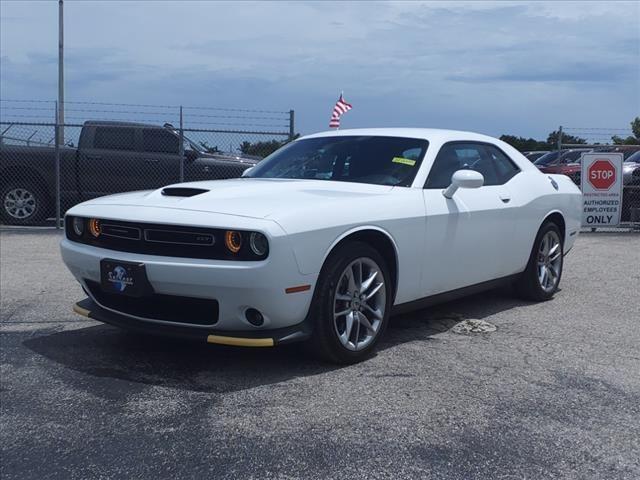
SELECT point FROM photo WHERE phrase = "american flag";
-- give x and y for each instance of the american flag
(340, 108)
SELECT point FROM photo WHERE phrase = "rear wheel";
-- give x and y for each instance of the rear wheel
(23, 203)
(351, 305)
(541, 278)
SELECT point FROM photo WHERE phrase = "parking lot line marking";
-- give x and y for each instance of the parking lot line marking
(240, 342)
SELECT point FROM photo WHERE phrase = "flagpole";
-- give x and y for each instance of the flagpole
(341, 95)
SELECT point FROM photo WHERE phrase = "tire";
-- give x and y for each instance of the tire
(540, 280)
(23, 203)
(330, 339)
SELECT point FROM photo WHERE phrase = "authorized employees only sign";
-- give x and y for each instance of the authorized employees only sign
(601, 189)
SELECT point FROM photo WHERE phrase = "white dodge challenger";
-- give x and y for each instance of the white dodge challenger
(324, 239)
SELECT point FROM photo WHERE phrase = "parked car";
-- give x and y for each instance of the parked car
(111, 157)
(575, 171)
(568, 164)
(533, 156)
(626, 150)
(551, 157)
(324, 239)
(631, 188)
(631, 169)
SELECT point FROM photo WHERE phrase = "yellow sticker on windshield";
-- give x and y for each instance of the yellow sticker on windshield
(404, 161)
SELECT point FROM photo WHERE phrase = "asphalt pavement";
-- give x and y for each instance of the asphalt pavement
(553, 392)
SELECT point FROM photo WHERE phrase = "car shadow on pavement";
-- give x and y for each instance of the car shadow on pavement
(105, 351)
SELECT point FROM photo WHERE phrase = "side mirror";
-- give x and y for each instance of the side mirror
(246, 172)
(463, 179)
(190, 155)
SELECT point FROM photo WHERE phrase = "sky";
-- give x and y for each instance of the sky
(521, 68)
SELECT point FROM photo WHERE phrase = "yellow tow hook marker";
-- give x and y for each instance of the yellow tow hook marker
(240, 342)
(81, 311)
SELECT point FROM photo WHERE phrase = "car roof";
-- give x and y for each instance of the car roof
(431, 134)
(116, 123)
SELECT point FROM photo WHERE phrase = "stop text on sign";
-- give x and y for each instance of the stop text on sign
(602, 174)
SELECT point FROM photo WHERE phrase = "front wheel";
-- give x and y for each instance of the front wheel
(351, 305)
(540, 280)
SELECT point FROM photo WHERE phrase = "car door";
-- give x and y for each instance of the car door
(116, 161)
(107, 161)
(161, 158)
(468, 236)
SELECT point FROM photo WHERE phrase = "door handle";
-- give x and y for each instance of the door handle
(94, 157)
(151, 160)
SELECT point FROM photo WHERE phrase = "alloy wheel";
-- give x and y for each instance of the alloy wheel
(359, 304)
(549, 261)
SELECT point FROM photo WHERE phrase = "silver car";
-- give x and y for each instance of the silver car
(631, 165)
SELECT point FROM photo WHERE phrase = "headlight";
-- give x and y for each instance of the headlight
(94, 227)
(258, 243)
(78, 226)
(233, 240)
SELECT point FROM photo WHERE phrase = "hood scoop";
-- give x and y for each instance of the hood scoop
(182, 191)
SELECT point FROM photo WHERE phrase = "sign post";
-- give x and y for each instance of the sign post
(601, 189)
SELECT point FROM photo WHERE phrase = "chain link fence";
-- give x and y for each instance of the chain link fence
(597, 139)
(46, 167)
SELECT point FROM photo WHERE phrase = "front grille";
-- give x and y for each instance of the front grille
(121, 231)
(169, 308)
(179, 238)
(163, 240)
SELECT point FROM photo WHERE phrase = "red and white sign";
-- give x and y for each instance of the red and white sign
(601, 174)
(601, 189)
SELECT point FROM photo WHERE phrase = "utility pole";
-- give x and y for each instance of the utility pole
(291, 125)
(60, 71)
(559, 142)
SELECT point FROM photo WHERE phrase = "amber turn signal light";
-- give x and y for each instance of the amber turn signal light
(94, 227)
(233, 240)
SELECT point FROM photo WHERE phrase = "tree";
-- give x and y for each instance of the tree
(530, 144)
(210, 149)
(524, 144)
(631, 139)
(552, 139)
(262, 149)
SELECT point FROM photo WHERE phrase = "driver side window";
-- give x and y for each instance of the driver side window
(495, 166)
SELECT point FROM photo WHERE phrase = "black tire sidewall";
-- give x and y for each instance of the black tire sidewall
(324, 338)
(38, 215)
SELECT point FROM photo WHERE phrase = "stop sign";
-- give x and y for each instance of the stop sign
(602, 174)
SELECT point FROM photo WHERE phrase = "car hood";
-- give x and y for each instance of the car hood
(250, 197)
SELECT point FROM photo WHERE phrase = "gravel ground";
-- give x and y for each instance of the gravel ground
(554, 392)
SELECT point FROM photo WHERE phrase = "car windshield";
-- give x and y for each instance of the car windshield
(572, 157)
(546, 159)
(362, 159)
(635, 157)
(533, 156)
(188, 143)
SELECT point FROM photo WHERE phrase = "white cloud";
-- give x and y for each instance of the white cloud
(477, 65)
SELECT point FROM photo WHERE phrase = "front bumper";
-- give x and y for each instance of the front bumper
(269, 338)
(236, 286)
